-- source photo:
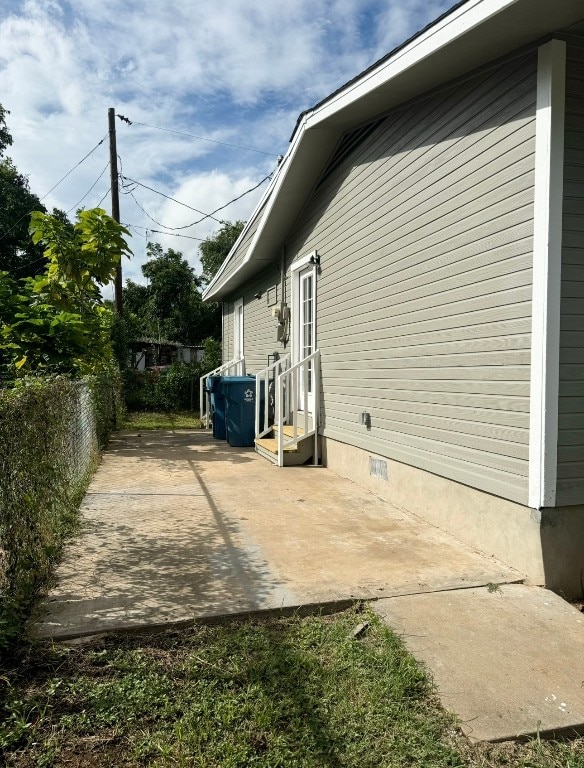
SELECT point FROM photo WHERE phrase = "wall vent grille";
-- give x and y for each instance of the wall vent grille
(378, 468)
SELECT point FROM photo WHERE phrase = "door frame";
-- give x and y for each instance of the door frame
(238, 326)
(300, 268)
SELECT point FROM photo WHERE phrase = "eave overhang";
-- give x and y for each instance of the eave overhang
(472, 34)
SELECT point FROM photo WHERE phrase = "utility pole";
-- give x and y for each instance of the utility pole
(111, 114)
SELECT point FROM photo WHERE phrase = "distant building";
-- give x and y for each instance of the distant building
(153, 353)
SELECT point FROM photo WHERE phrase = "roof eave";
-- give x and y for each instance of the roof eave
(471, 35)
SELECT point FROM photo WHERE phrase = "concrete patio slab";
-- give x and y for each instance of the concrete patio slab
(509, 662)
(179, 526)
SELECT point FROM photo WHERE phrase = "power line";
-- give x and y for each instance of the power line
(157, 192)
(83, 159)
(74, 207)
(205, 216)
(20, 267)
(170, 234)
(243, 194)
(193, 136)
(104, 197)
(147, 214)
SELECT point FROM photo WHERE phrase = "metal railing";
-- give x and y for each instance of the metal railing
(297, 389)
(232, 368)
(266, 375)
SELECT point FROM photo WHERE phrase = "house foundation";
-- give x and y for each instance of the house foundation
(546, 546)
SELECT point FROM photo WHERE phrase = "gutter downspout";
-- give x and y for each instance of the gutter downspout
(283, 274)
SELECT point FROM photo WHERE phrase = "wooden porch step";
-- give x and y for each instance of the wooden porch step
(288, 430)
(294, 455)
(271, 444)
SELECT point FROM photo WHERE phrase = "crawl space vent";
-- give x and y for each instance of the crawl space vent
(378, 468)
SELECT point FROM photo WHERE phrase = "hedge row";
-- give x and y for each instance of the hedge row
(173, 389)
(50, 434)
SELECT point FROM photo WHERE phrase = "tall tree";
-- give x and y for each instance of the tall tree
(170, 306)
(18, 254)
(56, 322)
(214, 249)
(5, 137)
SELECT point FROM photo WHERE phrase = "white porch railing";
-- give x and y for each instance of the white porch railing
(271, 372)
(297, 402)
(232, 368)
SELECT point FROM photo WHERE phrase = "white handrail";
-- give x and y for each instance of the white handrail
(235, 367)
(288, 383)
(275, 368)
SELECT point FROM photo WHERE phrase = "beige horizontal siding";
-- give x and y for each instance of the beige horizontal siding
(259, 327)
(424, 294)
(570, 483)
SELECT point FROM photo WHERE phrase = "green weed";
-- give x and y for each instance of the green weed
(161, 420)
(281, 692)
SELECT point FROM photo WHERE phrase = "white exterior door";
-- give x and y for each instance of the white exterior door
(238, 329)
(305, 331)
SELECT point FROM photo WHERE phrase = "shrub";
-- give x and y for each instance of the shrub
(173, 389)
(50, 433)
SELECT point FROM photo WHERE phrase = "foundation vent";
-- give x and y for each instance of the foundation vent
(378, 468)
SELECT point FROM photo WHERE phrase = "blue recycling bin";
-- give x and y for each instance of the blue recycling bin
(240, 399)
(214, 385)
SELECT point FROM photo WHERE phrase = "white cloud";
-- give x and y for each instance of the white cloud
(235, 71)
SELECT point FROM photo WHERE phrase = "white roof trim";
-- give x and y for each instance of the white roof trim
(242, 234)
(456, 24)
(521, 21)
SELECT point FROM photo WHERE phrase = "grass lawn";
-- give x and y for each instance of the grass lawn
(160, 420)
(281, 692)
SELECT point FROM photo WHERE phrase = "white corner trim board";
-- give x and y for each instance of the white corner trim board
(547, 263)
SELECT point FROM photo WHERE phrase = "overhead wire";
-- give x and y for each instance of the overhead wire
(243, 194)
(170, 234)
(75, 207)
(83, 159)
(108, 190)
(194, 136)
(168, 197)
(130, 191)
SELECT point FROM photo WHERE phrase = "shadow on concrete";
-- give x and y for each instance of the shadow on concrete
(168, 446)
(157, 557)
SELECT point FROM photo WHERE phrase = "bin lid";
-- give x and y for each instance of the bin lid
(238, 379)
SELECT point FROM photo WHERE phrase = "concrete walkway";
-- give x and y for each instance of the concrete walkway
(509, 661)
(177, 526)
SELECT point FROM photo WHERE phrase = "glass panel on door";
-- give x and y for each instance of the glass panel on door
(307, 323)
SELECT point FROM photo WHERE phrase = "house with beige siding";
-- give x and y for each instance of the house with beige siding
(410, 289)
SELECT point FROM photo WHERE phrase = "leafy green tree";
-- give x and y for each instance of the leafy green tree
(5, 137)
(215, 248)
(170, 306)
(172, 284)
(56, 322)
(18, 254)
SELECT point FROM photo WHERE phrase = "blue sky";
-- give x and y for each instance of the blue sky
(236, 71)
